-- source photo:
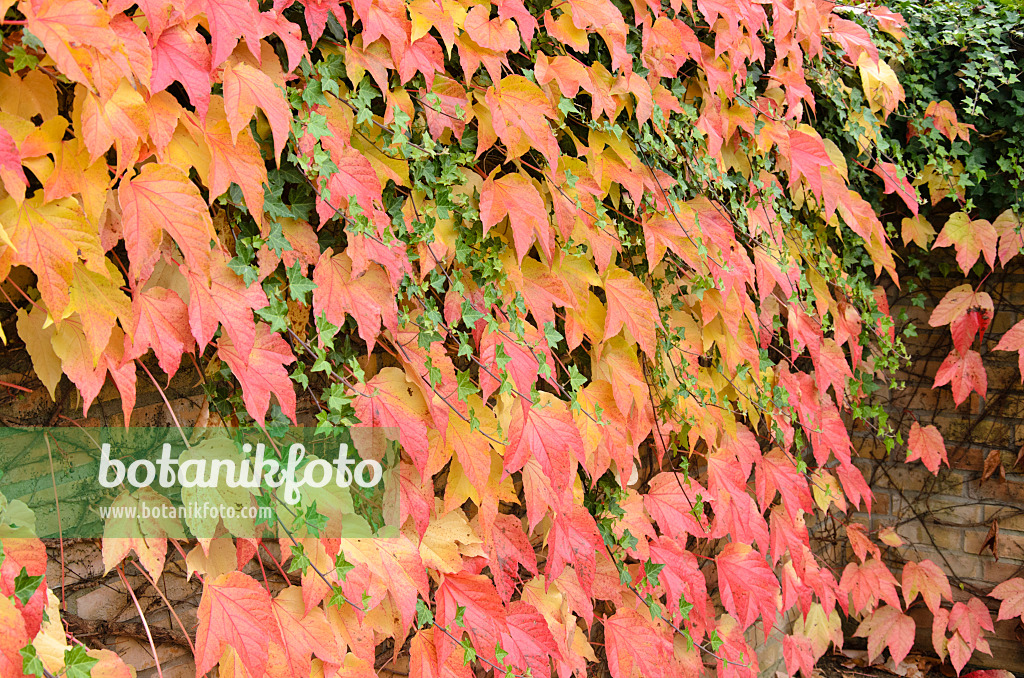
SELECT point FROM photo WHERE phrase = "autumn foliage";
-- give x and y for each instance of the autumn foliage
(592, 259)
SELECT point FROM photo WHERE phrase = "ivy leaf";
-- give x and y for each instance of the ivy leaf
(77, 662)
(25, 585)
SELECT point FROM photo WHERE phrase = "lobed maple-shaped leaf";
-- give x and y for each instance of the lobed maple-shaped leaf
(926, 443)
(520, 112)
(222, 298)
(423, 658)
(928, 580)
(181, 54)
(635, 647)
(970, 238)
(245, 88)
(531, 646)
(367, 297)
(509, 548)
(1013, 340)
(868, 583)
(484, 616)
(1011, 593)
(957, 302)
(261, 372)
(965, 373)
(888, 627)
(235, 612)
(515, 196)
(159, 321)
(391, 401)
(895, 183)
(547, 432)
(303, 632)
(748, 586)
(146, 536)
(574, 540)
(49, 238)
(158, 199)
(672, 501)
(632, 305)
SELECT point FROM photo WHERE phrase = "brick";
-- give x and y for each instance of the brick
(993, 572)
(951, 509)
(957, 564)
(931, 535)
(1009, 490)
(1009, 517)
(918, 478)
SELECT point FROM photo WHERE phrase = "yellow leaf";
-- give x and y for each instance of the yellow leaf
(29, 96)
(38, 340)
(100, 299)
(881, 86)
(918, 230)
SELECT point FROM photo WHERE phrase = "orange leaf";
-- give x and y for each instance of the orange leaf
(261, 372)
(235, 612)
(161, 198)
(514, 196)
(630, 303)
(245, 88)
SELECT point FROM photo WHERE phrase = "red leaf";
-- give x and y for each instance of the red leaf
(234, 612)
(574, 539)
(510, 548)
(181, 54)
(630, 303)
(925, 578)
(547, 432)
(894, 183)
(484, 617)
(262, 372)
(806, 157)
(860, 542)
(223, 298)
(925, 443)
(777, 472)
(957, 302)
(747, 584)
(1013, 340)
(799, 655)
(965, 373)
(635, 647)
(1011, 592)
(368, 297)
(160, 322)
(245, 88)
(672, 500)
(160, 198)
(423, 657)
(11, 171)
(514, 196)
(389, 400)
(529, 641)
(867, 583)
(888, 627)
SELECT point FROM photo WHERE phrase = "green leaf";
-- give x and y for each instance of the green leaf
(78, 664)
(424, 617)
(25, 586)
(31, 664)
(460, 612)
(342, 566)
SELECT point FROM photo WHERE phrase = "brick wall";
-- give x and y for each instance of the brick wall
(949, 517)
